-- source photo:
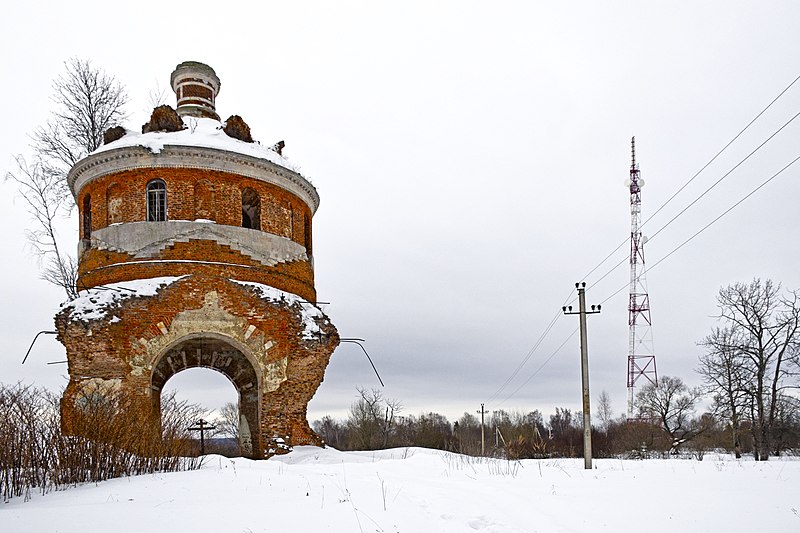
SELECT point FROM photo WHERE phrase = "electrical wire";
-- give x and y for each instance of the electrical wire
(682, 187)
(701, 230)
(553, 321)
(673, 251)
(693, 202)
(544, 363)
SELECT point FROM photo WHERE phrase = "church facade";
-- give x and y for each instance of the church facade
(196, 251)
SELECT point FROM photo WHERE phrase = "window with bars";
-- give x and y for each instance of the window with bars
(156, 201)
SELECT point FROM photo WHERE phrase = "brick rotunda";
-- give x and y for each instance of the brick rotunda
(196, 251)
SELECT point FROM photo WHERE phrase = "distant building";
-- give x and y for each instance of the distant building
(196, 251)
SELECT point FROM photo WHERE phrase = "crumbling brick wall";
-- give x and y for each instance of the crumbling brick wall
(124, 345)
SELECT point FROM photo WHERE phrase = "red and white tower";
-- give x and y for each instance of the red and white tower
(641, 360)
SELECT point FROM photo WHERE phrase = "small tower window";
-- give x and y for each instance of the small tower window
(251, 209)
(87, 217)
(156, 201)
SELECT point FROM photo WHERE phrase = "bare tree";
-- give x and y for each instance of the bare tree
(42, 189)
(372, 419)
(672, 404)
(88, 102)
(763, 341)
(227, 421)
(605, 413)
(728, 378)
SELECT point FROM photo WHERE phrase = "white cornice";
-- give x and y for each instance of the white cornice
(135, 157)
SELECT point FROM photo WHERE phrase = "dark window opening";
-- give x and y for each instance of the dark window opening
(307, 234)
(156, 201)
(251, 209)
(87, 217)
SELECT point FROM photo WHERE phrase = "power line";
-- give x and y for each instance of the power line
(737, 165)
(693, 202)
(701, 230)
(530, 352)
(549, 327)
(544, 363)
(526, 358)
(682, 187)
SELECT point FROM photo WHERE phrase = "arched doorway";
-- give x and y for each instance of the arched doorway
(220, 354)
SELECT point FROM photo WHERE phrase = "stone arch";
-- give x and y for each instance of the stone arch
(226, 356)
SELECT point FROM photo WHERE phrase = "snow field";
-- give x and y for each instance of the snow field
(421, 490)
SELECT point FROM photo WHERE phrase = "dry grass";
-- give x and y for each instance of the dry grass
(109, 439)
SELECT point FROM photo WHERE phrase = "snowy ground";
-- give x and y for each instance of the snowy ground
(420, 490)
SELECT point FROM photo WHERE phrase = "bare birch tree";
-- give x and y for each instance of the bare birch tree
(87, 103)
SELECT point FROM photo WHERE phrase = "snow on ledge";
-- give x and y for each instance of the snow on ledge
(308, 312)
(97, 302)
(202, 132)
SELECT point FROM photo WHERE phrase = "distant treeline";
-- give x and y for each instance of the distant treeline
(375, 423)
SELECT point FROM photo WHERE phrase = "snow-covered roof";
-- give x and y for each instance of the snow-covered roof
(204, 132)
(202, 145)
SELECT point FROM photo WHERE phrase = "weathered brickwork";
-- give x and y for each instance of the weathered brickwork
(101, 267)
(232, 218)
(124, 347)
(194, 194)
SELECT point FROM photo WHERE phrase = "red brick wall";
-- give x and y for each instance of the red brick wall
(101, 267)
(193, 194)
(115, 349)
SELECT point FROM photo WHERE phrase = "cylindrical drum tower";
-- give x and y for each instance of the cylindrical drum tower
(196, 251)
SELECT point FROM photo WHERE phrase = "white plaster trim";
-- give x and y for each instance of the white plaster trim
(148, 239)
(134, 157)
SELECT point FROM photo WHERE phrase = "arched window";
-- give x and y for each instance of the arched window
(251, 209)
(87, 217)
(156, 201)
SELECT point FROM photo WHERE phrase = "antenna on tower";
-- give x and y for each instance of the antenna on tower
(641, 360)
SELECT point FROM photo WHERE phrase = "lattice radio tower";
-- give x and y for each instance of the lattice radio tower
(641, 360)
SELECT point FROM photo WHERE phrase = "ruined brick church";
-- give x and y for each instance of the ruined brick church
(196, 251)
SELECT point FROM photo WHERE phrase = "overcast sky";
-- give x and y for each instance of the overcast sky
(470, 159)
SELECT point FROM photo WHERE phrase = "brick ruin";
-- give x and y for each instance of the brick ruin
(196, 251)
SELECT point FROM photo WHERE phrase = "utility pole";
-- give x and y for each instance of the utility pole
(587, 419)
(483, 431)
